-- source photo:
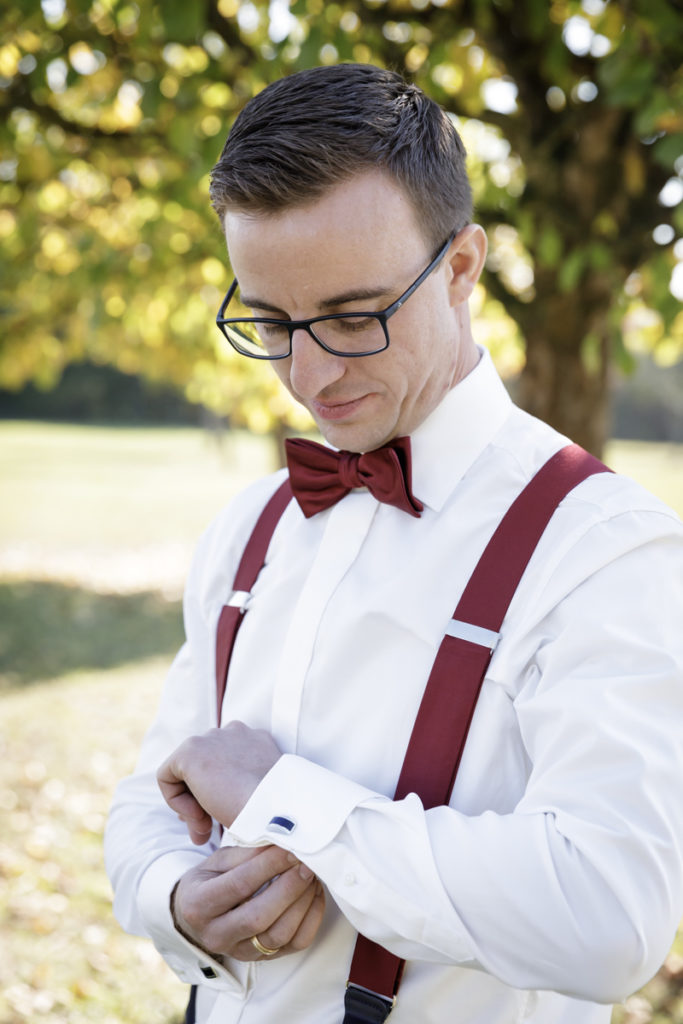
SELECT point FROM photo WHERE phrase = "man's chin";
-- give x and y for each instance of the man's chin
(352, 437)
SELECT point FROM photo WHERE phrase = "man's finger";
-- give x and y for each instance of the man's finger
(286, 935)
(240, 876)
(282, 931)
(181, 800)
(258, 913)
(308, 929)
(200, 834)
(227, 858)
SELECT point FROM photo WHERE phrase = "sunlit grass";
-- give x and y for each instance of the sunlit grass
(119, 487)
(63, 746)
(116, 508)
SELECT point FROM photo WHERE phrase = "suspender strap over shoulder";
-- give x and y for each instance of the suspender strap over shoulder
(440, 731)
(448, 703)
(250, 566)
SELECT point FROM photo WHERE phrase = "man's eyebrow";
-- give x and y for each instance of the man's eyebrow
(246, 300)
(356, 295)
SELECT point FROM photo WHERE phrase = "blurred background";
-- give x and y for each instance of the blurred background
(125, 424)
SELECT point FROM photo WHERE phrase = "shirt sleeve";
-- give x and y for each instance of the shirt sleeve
(579, 888)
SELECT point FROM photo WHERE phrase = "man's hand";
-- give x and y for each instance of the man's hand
(215, 774)
(218, 906)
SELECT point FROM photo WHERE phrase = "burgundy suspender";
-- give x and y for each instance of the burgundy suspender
(250, 566)
(449, 699)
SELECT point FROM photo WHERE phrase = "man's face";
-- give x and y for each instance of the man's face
(357, 249)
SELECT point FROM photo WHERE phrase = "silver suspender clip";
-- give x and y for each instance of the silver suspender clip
(239, 599)
(473, 634)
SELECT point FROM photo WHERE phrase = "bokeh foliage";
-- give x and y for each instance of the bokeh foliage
(113, 112)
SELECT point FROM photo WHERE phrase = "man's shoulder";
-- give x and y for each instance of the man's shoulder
(526, 443)
(522, 448)
(615, 494)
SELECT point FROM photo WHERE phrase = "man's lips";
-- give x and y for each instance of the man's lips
(335, 410)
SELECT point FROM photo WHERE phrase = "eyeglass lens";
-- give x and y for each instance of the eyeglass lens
(353, 335)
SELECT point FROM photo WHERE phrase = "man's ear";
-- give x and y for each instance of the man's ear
(465, 259)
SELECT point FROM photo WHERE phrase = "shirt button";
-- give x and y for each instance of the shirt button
(349, 878)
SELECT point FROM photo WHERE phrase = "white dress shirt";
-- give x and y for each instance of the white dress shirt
(552, 885)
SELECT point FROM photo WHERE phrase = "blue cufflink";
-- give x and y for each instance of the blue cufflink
(281, 824)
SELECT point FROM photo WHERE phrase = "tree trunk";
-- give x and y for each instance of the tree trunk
(556, 386)
(565, 379)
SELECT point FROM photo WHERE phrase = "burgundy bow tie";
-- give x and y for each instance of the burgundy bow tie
(320, 476)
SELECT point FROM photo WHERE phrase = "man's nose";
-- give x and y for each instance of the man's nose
(312, 368)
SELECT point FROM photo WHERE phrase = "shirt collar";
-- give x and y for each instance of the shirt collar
(447, 443)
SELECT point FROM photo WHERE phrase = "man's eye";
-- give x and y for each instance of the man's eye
(277, 330)
(354, 324)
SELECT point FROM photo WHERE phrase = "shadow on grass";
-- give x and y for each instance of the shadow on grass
(48, 629)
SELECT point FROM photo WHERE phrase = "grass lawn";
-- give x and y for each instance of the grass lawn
(115, 505)
(64, 744)
(97, 526)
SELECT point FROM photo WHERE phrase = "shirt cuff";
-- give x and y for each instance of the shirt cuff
(191, 964)
(299, 806)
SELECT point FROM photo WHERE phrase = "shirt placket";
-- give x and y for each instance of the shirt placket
(346, 530)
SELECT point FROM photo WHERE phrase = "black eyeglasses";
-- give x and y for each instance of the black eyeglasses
(342, 334)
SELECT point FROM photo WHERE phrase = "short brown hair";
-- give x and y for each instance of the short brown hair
(316, 128)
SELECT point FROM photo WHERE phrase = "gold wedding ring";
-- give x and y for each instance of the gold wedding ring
(263, 949)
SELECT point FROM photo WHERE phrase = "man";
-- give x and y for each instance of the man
(551, 885)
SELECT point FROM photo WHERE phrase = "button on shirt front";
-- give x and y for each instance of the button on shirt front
(552, 884)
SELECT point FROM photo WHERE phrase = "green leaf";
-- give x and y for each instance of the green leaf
(571, 270)
(645, 122)
(591, 355)
(668, 150)
(599, 256)
(184, 21)
(549, 246)
(627, 76)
